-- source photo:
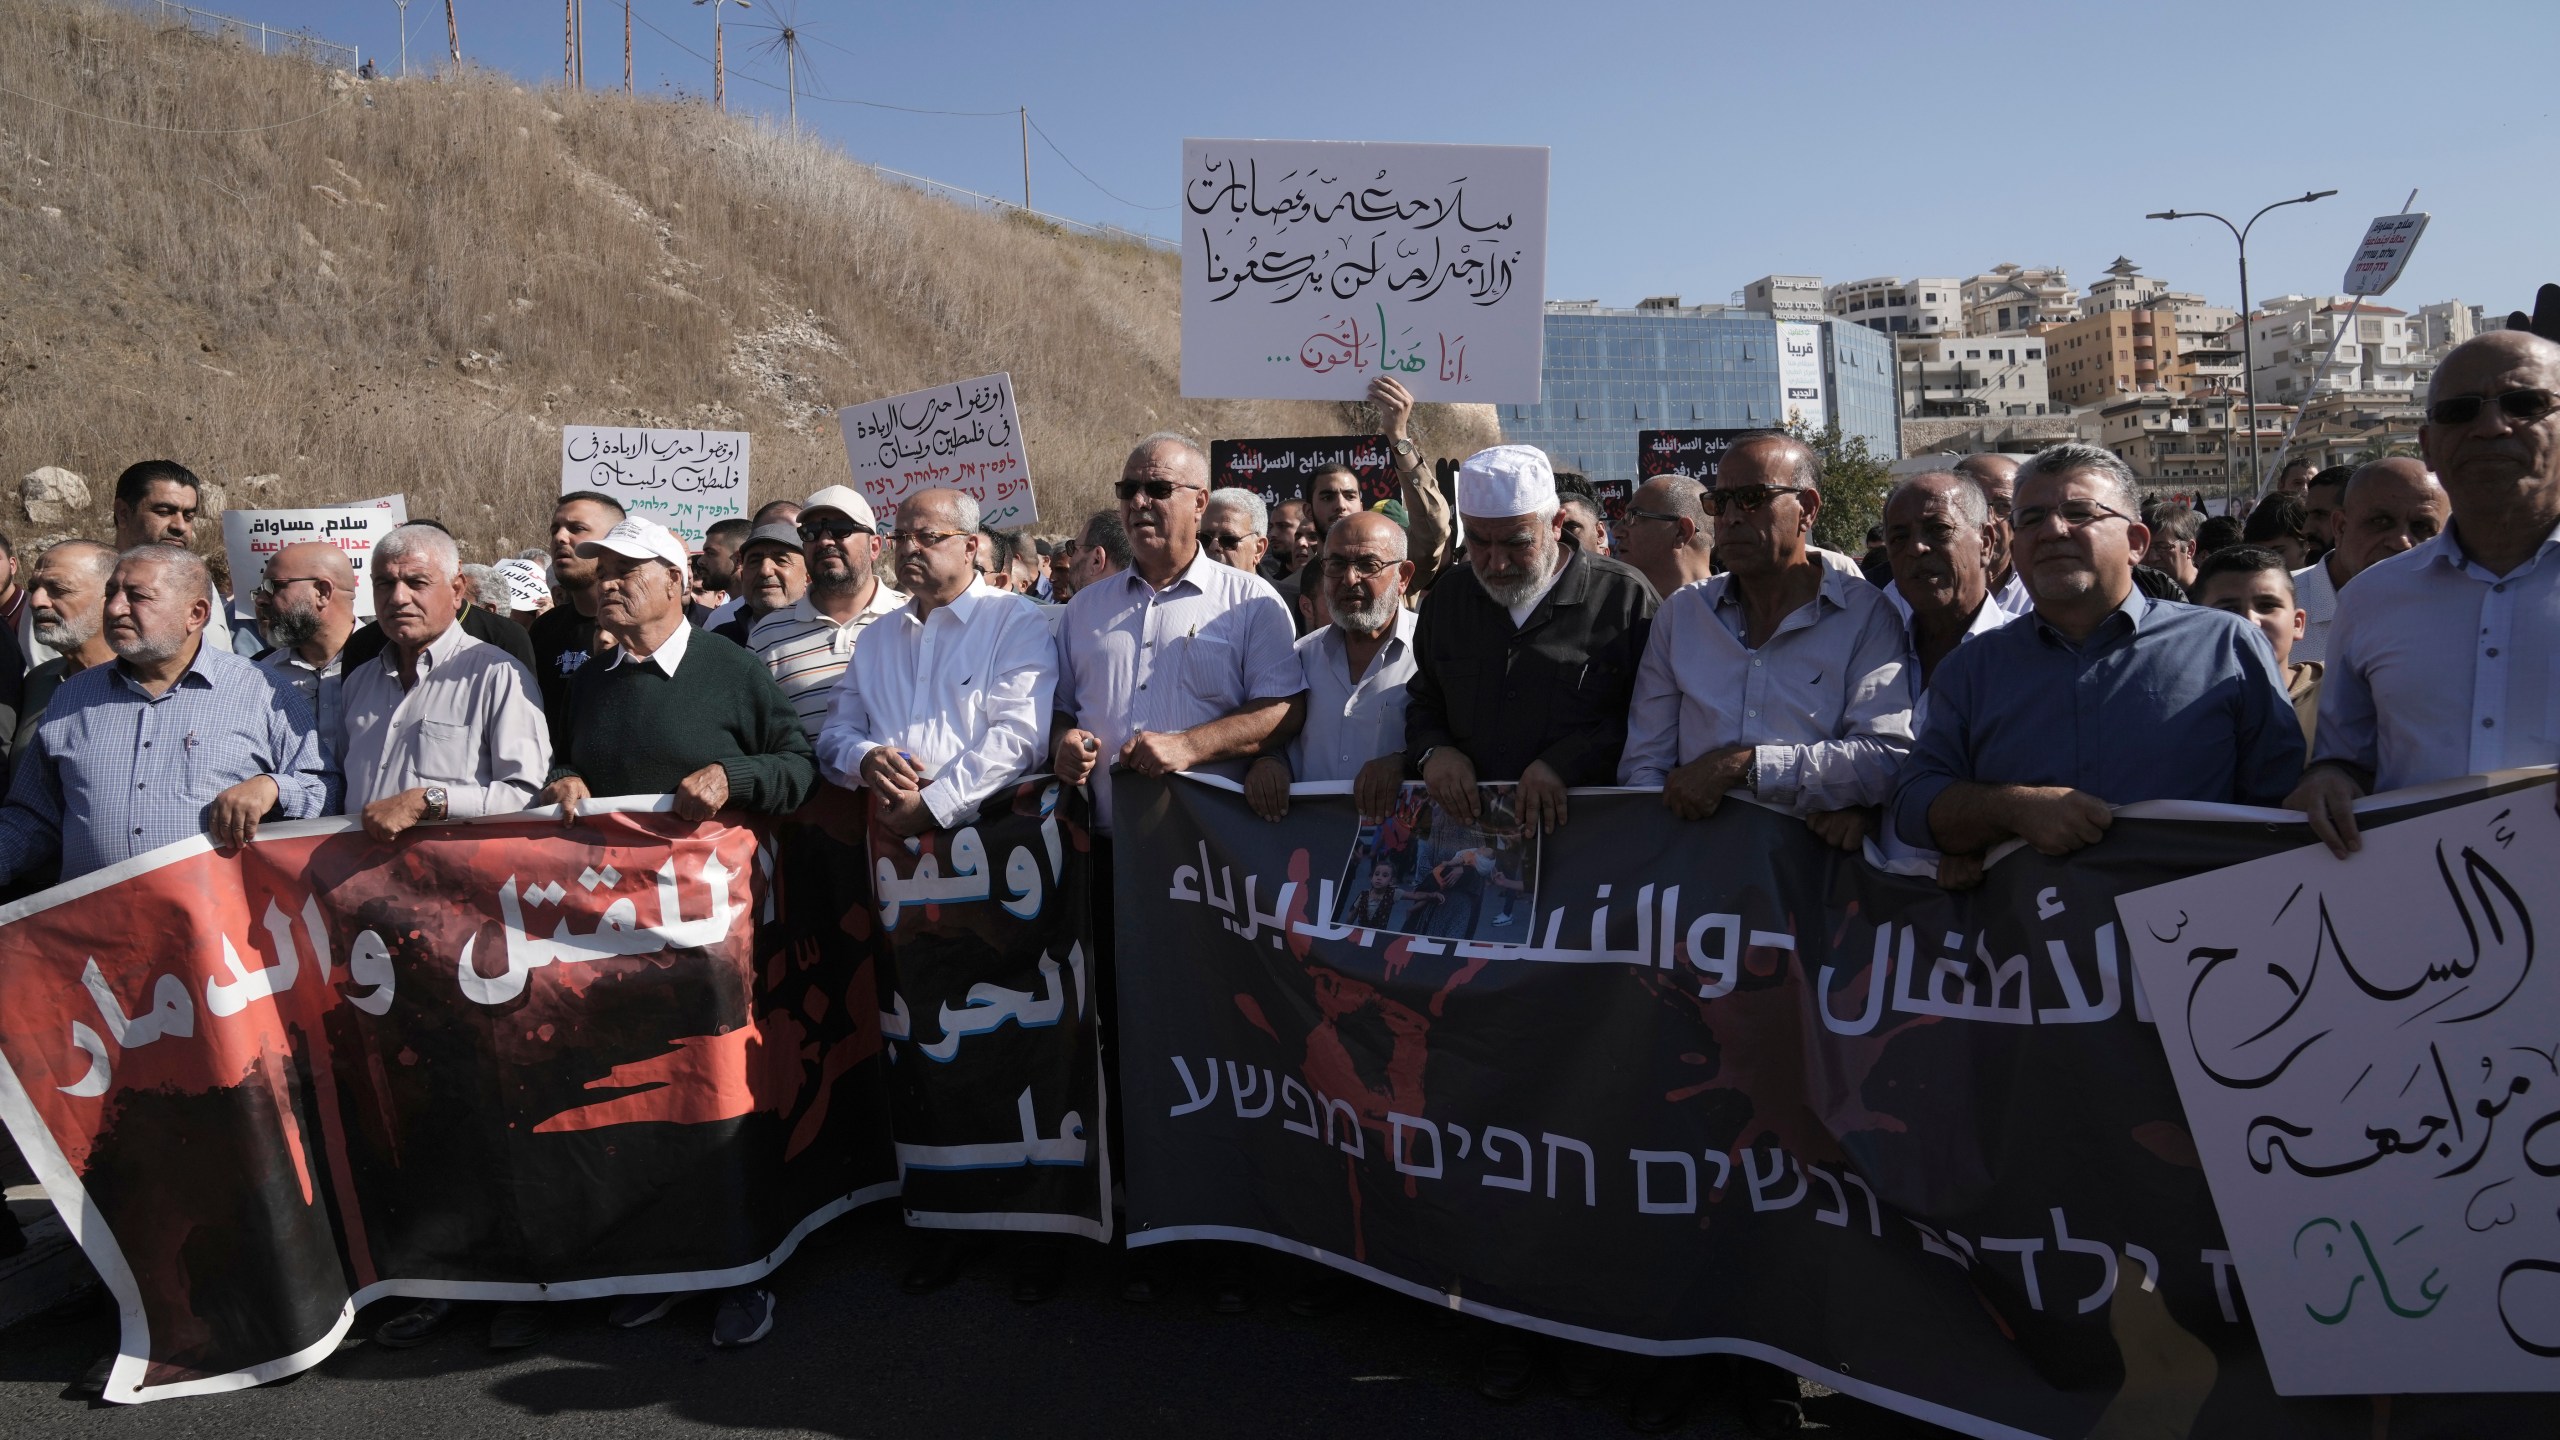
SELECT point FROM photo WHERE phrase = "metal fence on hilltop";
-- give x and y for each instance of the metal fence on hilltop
(270, 38)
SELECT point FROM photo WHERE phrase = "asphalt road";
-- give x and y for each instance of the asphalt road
(852, 1356)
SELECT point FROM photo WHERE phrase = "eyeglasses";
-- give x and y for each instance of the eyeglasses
(2522, 406)
(813, 531)
(1222, 539)
(1748, 498)
(1153, 489)
(1362, 566)
(2074, 514)
(922, 539)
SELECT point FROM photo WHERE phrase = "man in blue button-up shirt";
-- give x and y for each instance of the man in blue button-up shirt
(2099, 696)
(173, 740)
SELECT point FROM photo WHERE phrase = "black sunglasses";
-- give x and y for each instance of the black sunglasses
(831, 529)
(1153, 489)
(1748, 498)
(2522, 406)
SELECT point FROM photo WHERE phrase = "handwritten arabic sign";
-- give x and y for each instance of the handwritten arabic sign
(252, 537)
(2367, 1054)
(686, 480)
(1310, 268)
(1693, 453)
(1278, 470)
(2383, 253)
(963, 437)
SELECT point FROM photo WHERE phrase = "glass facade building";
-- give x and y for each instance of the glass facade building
(1610, 373)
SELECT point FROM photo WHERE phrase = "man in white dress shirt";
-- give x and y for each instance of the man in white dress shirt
(1356, 668)
(440, 725)
(1781, 678)
(2445, 660)
(2389, 506)
(947, 699)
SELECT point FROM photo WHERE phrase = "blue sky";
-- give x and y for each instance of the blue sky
(1696, 146)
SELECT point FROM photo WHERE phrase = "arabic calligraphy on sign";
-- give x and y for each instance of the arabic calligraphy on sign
(966, 436)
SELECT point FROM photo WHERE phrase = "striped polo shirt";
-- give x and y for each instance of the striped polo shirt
(806, 651)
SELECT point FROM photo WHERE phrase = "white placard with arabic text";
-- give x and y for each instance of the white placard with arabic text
(2368, 1052)
(2383, 253)
(686, 480)
(1310, 268)
(252, 537)
(963, 437)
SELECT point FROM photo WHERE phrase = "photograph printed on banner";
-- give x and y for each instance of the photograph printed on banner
(1424, 872)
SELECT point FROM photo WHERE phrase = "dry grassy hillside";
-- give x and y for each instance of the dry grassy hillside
(413, 288)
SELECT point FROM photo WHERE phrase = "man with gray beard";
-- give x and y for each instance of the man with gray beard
(1357, 668)
(309, 611)
(66, 596)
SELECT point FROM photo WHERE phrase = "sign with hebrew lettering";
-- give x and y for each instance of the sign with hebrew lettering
(1741, 1093)
(250, 538)
(2370, 1056)
(686, 480)
(507, 1060)
(959, 437)
(1311, 268)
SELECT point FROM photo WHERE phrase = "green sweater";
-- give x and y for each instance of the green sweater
(636, 730)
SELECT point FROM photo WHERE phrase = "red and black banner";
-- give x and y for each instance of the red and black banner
(514, 1060)
(1682, 452)
(1743, 1094)
(1279, 469)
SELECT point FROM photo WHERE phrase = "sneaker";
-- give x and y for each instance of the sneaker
(746, 1316)
(633, 1311)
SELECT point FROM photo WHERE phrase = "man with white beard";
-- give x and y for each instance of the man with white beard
(66, 605)
(1357, 667)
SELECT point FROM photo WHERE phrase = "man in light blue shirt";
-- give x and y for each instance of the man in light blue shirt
(1356, 669)
(2445, 660)
(175, 739)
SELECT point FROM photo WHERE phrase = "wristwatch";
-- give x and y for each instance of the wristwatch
(1404, 447)
(436, 803)
(1751, 772)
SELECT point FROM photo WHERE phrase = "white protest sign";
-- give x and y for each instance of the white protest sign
(1310, 268)
(2369, 1058)
(686, 480)
(2384, 252)
(251, 537)
(962, 437)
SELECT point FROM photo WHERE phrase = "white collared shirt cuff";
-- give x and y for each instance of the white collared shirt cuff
(1779, 778)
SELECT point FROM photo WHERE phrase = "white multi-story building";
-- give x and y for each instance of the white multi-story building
(1955, 375)
(1891, 305)
(2125, 288)
(2292, 334)
(1785, 297)
(2008, 298)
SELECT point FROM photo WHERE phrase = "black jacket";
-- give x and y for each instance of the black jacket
(1555, 689)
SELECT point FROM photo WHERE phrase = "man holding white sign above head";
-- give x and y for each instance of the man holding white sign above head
(310, 595)
(1525, 660)
(807, 643)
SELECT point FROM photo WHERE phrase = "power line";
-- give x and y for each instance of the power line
(1089, 180)
(170, 129)
(822, 99)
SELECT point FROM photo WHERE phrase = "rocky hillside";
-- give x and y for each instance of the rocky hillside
(313, 288)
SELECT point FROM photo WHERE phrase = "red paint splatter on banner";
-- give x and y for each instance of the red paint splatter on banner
(1253, 1015)
(704, 1078)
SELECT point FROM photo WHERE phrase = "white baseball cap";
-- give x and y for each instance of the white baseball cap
(638, 540)
(846, 500)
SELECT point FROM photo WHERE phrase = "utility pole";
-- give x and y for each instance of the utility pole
(626, 47)
(1026, 155)
(404, 39)
(2248, 333)
(720, 52)
(452, 35)
(568, 42)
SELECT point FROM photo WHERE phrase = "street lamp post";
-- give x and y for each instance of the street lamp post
(2248, 343)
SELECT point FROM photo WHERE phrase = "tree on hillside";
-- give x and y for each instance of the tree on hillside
(1854, 481)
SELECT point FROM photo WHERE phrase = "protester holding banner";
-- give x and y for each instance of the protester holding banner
(66, 606)
(440, 725)
(1525, 661)
(174, 740)
(2106, 697)
(564, 639)
(310, 605)
(1231, 529)
(2445, 661)
(2391, 505)
(807, 643)
(1937, 532)
(1998, 477)
(1667, 533)
(1782, 677)
(1357, 668)
(947, 698)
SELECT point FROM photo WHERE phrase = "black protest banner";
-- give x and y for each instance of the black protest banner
(1278, 470)
(987, 989)
(1746, 1095)
(1682, 452)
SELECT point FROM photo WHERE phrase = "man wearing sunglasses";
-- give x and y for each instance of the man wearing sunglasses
(2445, 661)
(310, 595)
(2101, 696)
(1525, 659)
(808, 643)
(1232, 528)
(1780, 678)
(1668, 539)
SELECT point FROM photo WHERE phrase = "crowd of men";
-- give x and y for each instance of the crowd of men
(2025, 662)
